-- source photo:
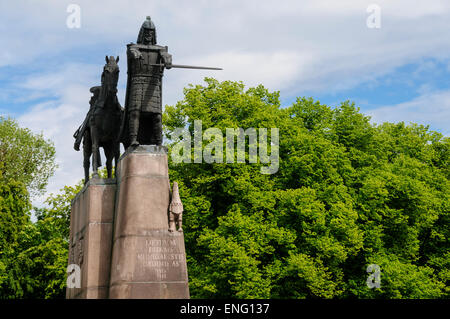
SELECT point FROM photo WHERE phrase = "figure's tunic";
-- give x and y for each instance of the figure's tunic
(145, 79)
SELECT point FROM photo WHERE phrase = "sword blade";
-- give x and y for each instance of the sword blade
(180, 66)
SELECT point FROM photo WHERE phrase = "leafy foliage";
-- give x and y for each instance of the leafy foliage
(33, 255)
(14, 218)
(26, 157)
(35, 261)
(347, 194)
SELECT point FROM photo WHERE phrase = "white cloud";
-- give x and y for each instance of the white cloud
(292, 46)
(432, 107)
(339, 48)
(275, 70)
(58, 119)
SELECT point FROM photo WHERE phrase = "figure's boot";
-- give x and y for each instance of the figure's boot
(156, 129)
(134, 127)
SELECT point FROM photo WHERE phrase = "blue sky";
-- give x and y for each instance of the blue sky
(403, 83)
(321, 48)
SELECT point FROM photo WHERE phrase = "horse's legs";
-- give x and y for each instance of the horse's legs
(109, 154)
(87, 151)
(95, 145)
(116, 156)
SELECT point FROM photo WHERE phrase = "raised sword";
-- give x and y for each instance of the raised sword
(181, 66)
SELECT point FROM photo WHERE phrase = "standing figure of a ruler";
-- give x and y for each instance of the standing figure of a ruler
(143, 101)
(143, 104)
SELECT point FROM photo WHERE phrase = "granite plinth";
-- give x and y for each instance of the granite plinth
(148, 261)
(91, 228)
(119, 233)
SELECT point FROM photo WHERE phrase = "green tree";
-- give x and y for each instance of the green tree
(14, 218)
(44, 247)
(33, 255)
(347, 194)
(27, 161)
(26, 157)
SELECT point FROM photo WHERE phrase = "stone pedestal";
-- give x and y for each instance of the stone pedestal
(148, 261)
(119, 233)
(91, 228)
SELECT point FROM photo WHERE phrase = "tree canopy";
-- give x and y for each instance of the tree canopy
(348, 193)
(25, 156)
(27, 161)
(14, 218)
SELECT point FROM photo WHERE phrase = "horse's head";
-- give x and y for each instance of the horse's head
(110, 75)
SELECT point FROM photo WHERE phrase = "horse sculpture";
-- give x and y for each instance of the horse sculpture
(102, 125)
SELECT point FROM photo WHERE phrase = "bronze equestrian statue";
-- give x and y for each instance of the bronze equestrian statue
(101, 127)
(107, 124)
